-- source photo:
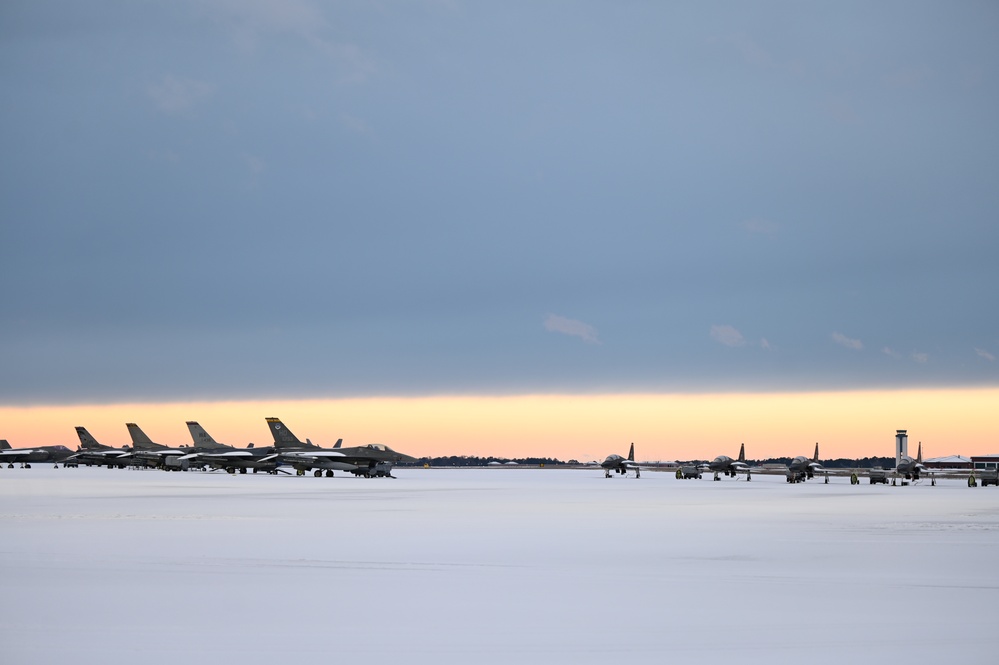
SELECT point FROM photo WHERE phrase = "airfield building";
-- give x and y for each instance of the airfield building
(985, 461)
(950, 462)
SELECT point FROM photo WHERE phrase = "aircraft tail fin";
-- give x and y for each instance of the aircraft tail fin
(338, 443)
(631, 452)
(919, 454)
(139, 438)
(283, 437)
(4, 445)
(201, 438)
(87, 440)
(742, 453)
(816, 457)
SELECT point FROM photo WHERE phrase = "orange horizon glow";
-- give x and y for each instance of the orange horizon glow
(663, 426)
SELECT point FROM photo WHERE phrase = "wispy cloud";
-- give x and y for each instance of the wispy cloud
(982, 353)
(255, 164)
(177, 95)
(764, 344)
(560, 324)
(848, 342)
(921, 358)
(843, 111)
(754, 54)
(759, 225)
(354, 124)
(888, 351)
(727, 335)
(252, 22)
(909, 77)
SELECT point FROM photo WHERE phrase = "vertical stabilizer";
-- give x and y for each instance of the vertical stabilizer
(283, 437)
(201, 438)
(338, 443)
(4, 445)
(139, 438)
(87, 441)
(742, 452)
(816, 457)
(919, 454)
(631, 452)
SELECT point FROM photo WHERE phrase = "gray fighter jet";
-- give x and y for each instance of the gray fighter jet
(145, 451)
(910, 468)
(371, 460)
(223, 456)
(25, 456)
(621, 465)
(728, 466)
(801, 468)
(91, 452)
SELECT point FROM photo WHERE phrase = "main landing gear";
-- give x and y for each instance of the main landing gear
(623, 472)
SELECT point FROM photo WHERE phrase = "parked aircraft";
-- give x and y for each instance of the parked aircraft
(910, 468)
(155, 454)
(92, 452)
(621, 465)
(801, 468)
(26, 456)
(224, 456)
(728, 466)
(371, 460)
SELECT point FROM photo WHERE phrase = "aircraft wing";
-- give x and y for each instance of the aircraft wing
(740, 467)
(313, 454)
(16, 454)
(950, 473)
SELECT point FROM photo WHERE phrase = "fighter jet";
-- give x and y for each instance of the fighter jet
(230, 458)
(92, 452)
(910, 468)
(728, 466)
(801, 468)
(371, 460)
(619, 464)
(25, 456)
(155, 454)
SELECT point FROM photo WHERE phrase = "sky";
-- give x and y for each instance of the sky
(216, 201)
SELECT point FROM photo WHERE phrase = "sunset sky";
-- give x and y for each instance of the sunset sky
(518, 228)
(582, 427)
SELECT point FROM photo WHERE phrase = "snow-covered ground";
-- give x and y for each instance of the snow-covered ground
(491, 566)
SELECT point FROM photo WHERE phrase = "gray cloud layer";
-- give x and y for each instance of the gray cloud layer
(227, 199)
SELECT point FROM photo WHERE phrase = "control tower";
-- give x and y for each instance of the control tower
(901, 445)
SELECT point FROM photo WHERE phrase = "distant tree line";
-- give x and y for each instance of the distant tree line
(839, 463)
(472, 460)
(465, 460)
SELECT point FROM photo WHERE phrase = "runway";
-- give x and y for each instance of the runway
(491, 566)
